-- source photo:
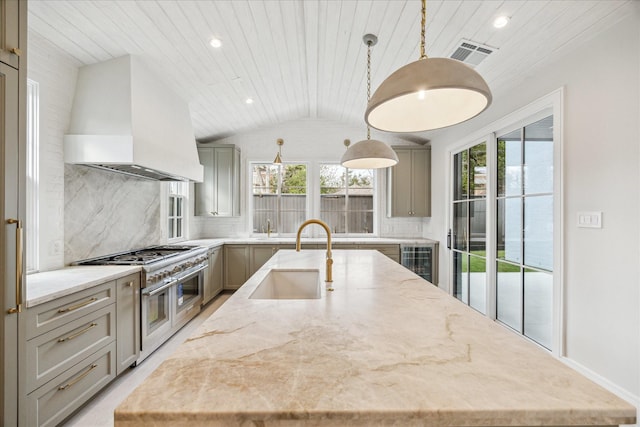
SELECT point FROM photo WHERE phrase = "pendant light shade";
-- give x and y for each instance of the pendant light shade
(427, 94)
(369, 153)
(278, 159)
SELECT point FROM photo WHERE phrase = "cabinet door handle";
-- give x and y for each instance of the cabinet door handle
(130, 284)
(18, 307)
(77, 334)
(78, 378)
(16, 51)
(77, 306)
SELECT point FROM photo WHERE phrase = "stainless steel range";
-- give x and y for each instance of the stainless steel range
(171, 288)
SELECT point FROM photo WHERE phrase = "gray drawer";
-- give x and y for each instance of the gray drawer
(48, 316)
(56, 400)
(50, 354)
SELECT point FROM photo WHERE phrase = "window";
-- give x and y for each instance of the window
(346, 199)
(279, 193)
(177, 203)
(32, 218)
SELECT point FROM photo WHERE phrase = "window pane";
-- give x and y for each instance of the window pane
(538, 232)
(538, 299)
(509, 217)
(510, 164)
(290, 221)
(461, 174)
(478, 171)
(509, 295)
(178, 227)
(172, 208)
(461, 276)
(460, 226)
(478, 283)
(171, 230)
(478, 227)
(294, 180)
(360, 222)
(265, 179)
(332, 179)
(178, 206)
(360, 182)
(538, 157)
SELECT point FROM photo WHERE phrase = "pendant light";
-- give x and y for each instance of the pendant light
(430, 93)
(369, 153)
(278, 159)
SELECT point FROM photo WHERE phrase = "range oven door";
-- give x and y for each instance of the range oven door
(187, 297)
(156, 317)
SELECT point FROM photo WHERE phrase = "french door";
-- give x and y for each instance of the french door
(501, 236)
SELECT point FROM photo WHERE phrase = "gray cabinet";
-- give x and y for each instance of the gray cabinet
(219, 193)
(260, 254)
(70, 353)
(11, 49)
(213, 280)
(409, 183)
(128, 321)
(236, 265)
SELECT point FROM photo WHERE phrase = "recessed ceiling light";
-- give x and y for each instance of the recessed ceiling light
(249, 100)
(501, 21)
(215, 42)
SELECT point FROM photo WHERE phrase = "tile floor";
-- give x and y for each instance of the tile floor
(99, 411)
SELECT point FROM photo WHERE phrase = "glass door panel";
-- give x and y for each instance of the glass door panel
(538, 232)
(538, 299)
(509, 295)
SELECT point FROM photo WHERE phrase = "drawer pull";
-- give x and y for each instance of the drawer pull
(78, 378)
(130, 284)
(16, 51)
(77, 334)
(77, 306)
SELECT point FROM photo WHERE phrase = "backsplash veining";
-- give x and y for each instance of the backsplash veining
(107, 212)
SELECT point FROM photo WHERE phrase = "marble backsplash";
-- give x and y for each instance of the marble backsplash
(107, 212)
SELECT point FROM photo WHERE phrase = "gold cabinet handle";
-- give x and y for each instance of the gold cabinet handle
(130, 284)
(78, 378)
(77, 334)
(18, 307)
(77, 306)
(16, 51)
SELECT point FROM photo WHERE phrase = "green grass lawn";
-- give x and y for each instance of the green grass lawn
(478, 265)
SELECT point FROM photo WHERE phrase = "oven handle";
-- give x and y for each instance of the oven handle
(168, 285)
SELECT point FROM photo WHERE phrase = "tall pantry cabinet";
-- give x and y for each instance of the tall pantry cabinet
(13, 78)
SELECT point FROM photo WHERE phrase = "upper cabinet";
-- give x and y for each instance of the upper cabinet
(409, 183)
(10, 48)
(219, 193)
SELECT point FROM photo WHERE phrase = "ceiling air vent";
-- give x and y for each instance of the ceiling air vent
(471, 53)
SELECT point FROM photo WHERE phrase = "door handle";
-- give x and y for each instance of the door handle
(18, 307)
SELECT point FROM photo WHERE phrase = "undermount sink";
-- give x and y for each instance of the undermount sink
(282, 283)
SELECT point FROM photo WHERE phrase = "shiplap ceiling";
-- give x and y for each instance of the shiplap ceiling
(306, 58)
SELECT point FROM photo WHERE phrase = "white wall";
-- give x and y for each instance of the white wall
(306, 140)
(601, 163)
(56, 74)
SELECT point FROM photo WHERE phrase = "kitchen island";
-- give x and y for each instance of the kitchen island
(383, 348)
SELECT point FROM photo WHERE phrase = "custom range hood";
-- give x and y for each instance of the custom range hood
(125, 119)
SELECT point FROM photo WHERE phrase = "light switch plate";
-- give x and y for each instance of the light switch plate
(590, 219)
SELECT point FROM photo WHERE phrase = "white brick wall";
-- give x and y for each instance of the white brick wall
(56, 74)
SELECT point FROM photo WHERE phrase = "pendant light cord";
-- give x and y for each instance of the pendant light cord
(368, 83)
(423, 55)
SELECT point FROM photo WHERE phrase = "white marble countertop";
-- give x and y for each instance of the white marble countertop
(49, 285)
(384, 348)
(292, 240)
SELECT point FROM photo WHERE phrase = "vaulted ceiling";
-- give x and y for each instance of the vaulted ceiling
(299, 59)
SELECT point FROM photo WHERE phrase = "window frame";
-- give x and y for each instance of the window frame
(347, 209)
(32, 225)
(276, 225)
(177, 194)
